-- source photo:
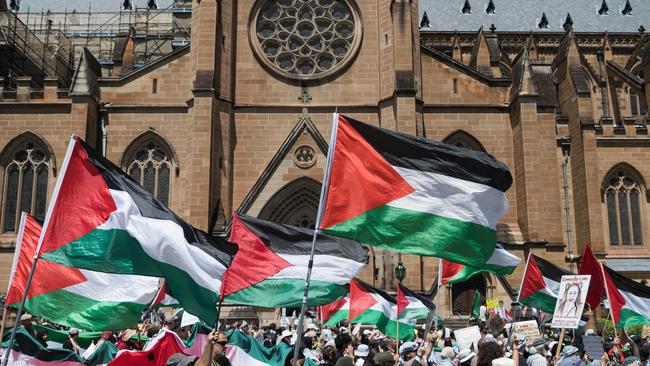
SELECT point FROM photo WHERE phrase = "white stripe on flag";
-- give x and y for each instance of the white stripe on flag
(116, 287)
(327, 268)
(451, 197)
(239, 357)
(639, 305)
(165, 242)
(503, 258)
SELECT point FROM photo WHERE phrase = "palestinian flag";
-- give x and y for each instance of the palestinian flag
(628, 299)
(76, 297)
(541, 284)
(165, 297)
(28, 351)
(244, 350)
(335, 312)
(157, 352)
(411, 306)
(501, 263)
(371, 306)
(271, 265)
(476, 306)
(102, 219)
(413, 195)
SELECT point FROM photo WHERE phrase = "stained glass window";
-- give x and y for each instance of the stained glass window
(150, 166)
(26, 182)
(624, 210)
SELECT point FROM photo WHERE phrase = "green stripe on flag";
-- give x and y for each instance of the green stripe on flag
(541, 301)
(630, 318)
(385, 325)
(274, 356)
(287, 292)
(420, 233)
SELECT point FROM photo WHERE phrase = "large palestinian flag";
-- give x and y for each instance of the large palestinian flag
(501, 263)
(541, 284)
(411, 306)
(76, 297)
(372, 306)
(628, 299)
(102, 219)
(334, 313)
(271, 265)
(590, 266)
(413, 195)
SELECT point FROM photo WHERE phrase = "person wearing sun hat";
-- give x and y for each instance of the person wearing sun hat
(570, 357)
(361, 354)
(465, 357)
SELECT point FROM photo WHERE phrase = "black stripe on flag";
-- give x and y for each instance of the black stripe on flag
(407, 151)
(286, 239)
(149, 206)
(423, 299)
(625, 284)
(379, 292)
(550, 270)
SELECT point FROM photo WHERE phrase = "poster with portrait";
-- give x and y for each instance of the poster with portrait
(570, 301)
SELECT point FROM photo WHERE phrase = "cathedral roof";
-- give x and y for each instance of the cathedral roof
(526, 15)
(82, 5)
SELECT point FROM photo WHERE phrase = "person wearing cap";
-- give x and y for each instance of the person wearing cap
(71, 343)
(570, 357)
(361, 354)
(286, 337)
(26, 322)
(538, 353)
(409, 353)
(465, 357)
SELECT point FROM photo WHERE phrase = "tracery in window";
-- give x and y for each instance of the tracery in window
(624, 204)
(150, 163)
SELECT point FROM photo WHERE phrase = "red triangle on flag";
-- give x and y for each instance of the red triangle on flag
(533, 280)
(328, 310)
(616, 299)
(253, 263)
(449, 270)
(83, 202)
(48, 276)
(402, 301)
(360, 179)
(591, 266)
(360, 299)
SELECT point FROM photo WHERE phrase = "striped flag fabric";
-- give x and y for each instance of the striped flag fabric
(165, 298)
(103, 220)
(411, 306)
(628, 300)
(334, 313)
(371, 306)
(540, 285)
(76, 297)
(475, 313)
(28, 351)
(413, 195)
(271, 265)
(501, 263)
(244, 350)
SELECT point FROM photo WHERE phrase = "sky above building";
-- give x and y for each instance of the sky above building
(83, 5)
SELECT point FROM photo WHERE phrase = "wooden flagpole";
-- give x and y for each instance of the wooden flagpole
(319, 217)
(50, 208)
(438, 285)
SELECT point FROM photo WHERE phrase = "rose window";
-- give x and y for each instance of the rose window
(305, 39)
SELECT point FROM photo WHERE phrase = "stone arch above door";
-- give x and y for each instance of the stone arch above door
(294, 204)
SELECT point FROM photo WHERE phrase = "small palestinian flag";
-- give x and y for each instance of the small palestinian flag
(411, 306)
(76, 297)
(501, 263)
(101, 219)
(157, 351)
(413, 195)
(371, 306)
(335, 312)
(541, 284)
(165, 298)
(628, 299)
(476, 306)
(244, 350)
(271, 265)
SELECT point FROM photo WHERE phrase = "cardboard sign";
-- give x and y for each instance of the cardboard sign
(492, 303)
(528, 329)
(593, 347)
(467, 337)
(570, 301)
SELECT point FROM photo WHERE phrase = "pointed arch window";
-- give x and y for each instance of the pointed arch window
(463, 139)
(150, 163)
(26, 173)
(624, 194)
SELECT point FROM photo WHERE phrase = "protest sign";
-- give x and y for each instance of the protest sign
(468, 336)
(492, 303)
(571, 301)
(528, 329)
(593, 347)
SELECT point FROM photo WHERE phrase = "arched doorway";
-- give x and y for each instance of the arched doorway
(294, 204)
(462, 294)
